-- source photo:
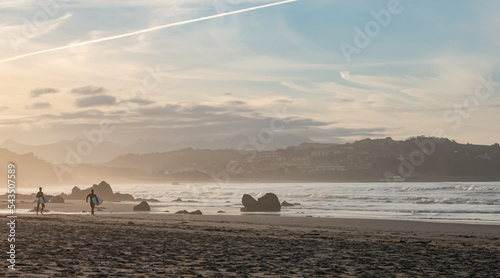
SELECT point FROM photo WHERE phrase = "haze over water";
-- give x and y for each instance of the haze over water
(433, 201)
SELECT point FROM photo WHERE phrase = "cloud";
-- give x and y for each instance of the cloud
(143, 31)
(39, 105)
(283, 101)
(88, 90)
(141, 101)
(87, 114)
(103, 100)
(340, 100)
(346, 134)
(220, 118)
(296, 87)
(166, 110)
(42, 91)
(237, 102)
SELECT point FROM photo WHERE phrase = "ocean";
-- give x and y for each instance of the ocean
(436, 201)
(464, 202)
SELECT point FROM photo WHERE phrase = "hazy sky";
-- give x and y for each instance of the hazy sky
(328, 70)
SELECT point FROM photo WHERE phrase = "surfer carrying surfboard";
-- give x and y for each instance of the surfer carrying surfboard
(93, 198)
(39, 198)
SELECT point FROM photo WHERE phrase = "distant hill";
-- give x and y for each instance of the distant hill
(31, 171)
(415, 159)
(59, 152)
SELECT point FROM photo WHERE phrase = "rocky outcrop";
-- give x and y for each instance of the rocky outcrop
(143, 206)
(57, 199)
(102, 190)
(268, 202)
(196, 212)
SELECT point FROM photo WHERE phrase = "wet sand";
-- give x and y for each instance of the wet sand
(162, 245)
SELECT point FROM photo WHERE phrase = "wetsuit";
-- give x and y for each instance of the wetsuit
(38, 195)
(92, 205)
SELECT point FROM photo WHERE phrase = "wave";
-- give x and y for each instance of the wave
(425, 200)
(476, 188)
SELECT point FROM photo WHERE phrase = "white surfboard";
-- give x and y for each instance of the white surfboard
(47, 198)
(98, 201)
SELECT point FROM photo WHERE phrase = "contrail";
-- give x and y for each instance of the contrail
(144, 31)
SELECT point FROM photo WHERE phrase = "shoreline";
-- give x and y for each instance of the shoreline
(79, 207)
(161, 245)
(211, 181)
(347, 218)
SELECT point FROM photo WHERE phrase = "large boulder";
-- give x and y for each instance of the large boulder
(143, 206)
(268, 202)
(249, 203)
(77, 193)
(103, 190)
(57, 199)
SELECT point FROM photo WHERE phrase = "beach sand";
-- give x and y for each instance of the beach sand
(166, 245)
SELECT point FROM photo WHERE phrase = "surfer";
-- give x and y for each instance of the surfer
(38, 202)
(92, 197)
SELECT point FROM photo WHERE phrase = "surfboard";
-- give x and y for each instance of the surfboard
(98, 201)
(47, 198)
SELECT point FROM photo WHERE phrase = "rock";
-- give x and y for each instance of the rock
(64, 196)
(268, 202)
(143, 206)
(182, 212)
(103, 190)
(119, 197)
(287, 204)
(249, 202)
(177, 200)
(77, 193)
(197, 212)
(57, 199)
(221, 211)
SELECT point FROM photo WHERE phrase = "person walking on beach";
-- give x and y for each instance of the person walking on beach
(92, 197)
(38, 202)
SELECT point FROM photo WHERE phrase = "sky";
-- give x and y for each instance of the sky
(327, 70)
